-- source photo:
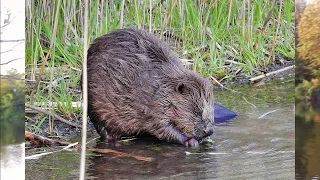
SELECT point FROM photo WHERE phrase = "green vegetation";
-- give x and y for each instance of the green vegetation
(201, 32)
(11, 108)
(216, 37)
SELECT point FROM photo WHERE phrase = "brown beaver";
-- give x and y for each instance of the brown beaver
(136, 84)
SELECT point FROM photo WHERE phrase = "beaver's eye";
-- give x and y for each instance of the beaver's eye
(180, 88)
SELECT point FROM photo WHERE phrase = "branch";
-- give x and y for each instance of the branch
(38, 139)
(54, 115)
(14, 40)
(11, 48)
(270, 73)
(11, 61)
(8, 23)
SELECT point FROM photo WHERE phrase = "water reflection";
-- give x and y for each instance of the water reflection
(169, 162)
(307, 141)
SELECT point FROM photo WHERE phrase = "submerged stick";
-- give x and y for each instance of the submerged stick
(249, 102)
(207, 153)
(263, 115)
(37, 156)
(37, 139)
(122, 154)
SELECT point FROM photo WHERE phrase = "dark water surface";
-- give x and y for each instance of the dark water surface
(308, 141)
(258, 144)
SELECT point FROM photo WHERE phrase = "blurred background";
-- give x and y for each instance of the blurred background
(307, 91)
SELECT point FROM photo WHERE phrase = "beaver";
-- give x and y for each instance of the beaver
(136, 85)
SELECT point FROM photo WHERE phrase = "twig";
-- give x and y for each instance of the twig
(234, 62)
(150, 15)
(122, 154)
(37, 156)
(255, 46)
(13, 40)
(171, 12)
(229, 13)
(9, 22)
(11, 61)
(76, 104)
(249, 102)
(76, 69)
(54, 115)
(222, 85)
(276, 35)
(263, 115)
(2, 52)
(243, 17)
(30, 111)
(35, 139)
(271, 73)
(46, 141)
(121, 14)
(53, 38)
(92, 140)
(207, 153)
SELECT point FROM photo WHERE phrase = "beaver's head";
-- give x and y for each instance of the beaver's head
(185, 103)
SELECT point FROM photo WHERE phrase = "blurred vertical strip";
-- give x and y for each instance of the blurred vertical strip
(84, 93)
(12, 84)
(307, 90)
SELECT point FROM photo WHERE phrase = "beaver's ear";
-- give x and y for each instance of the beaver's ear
(180, 88)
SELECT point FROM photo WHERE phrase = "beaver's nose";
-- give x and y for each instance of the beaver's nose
(209, 130)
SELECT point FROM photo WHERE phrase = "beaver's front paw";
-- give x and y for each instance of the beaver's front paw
(191, 143)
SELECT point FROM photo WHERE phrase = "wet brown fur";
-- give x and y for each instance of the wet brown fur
(136, 84)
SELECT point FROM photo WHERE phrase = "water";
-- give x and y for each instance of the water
(12, 145)
(12, 162)
(258, 144)
(308, 141)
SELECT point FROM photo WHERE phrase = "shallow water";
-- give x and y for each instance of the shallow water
(258, 144)
(308, 141)
(12, 162)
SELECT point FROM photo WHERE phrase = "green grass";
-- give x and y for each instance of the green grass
(214, 45)
(196, 25)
